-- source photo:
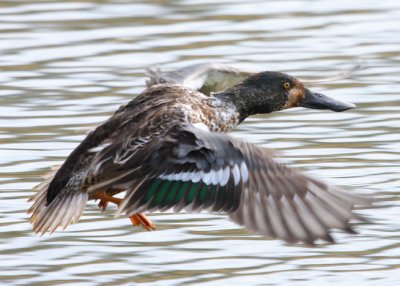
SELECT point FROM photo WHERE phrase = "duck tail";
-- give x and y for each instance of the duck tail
(64, 210)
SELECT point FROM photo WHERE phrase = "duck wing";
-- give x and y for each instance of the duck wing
(196, 170)
(343, 74)
(205, 77)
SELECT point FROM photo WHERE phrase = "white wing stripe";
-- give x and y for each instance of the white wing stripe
(244, 172)
(197, 177)
(215, 177)
(236, 174)
(225, 176)
(207, 177)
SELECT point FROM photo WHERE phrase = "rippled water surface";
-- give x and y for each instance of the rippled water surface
(66, 66)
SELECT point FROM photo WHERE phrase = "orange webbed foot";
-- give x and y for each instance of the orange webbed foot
(143, 220)
(136, 219)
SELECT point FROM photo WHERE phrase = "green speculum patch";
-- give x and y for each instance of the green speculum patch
(164, 192)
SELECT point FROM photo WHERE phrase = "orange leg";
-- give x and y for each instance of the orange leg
(104, 202)
(136, 219)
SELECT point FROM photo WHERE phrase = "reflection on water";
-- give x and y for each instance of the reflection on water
(66, 66)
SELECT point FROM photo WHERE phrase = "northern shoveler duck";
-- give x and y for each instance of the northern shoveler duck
(167, 149)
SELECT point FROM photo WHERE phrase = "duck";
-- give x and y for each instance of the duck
(168, 149)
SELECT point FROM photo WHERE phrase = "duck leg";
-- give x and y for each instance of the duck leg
(136, 219)
(109, 194)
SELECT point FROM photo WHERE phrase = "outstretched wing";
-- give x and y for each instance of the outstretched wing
(206, 77)
(196, 170)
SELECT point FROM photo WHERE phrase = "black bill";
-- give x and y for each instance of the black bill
(317, 100)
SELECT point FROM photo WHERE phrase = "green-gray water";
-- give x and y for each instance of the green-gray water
(66, 66)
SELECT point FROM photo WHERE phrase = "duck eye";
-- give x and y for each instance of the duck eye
(286, 85)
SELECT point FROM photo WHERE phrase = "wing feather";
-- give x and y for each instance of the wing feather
(205, 77)
(194, 170)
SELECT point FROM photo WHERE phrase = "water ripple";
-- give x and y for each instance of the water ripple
(66, 66)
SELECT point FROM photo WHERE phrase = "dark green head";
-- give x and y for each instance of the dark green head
(266, 92)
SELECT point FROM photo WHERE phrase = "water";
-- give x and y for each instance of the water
(66, 66)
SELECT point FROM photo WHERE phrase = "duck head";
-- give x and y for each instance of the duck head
(267, 92)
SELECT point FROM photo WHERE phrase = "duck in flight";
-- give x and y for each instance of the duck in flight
(167, 148)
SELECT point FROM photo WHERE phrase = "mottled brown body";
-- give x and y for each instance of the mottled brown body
(166, 150)
(163, 104)
(144, 118)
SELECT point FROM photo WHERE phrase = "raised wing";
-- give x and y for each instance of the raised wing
(343, 74)
(206, 77)
(197, 170)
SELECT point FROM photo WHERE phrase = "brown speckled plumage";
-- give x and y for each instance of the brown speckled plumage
(165, 148)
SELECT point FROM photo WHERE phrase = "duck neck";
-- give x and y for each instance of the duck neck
(248, 101)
